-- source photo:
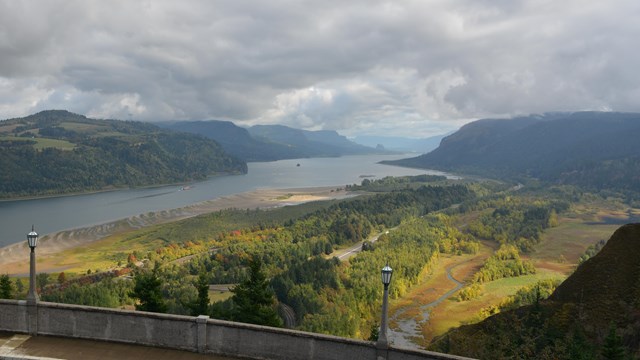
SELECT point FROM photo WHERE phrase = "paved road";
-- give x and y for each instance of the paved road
(21, 346)
(353, 250)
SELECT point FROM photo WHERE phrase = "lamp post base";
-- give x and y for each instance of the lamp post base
(382, 344)
(382, 353)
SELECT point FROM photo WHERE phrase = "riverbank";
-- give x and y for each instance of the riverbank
(111, 188)
(14, 258)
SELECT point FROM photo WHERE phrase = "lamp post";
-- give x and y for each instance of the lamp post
(32, 240)
(386, 280)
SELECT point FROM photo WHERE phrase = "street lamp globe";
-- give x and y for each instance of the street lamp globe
(32, 238)
(387, 271)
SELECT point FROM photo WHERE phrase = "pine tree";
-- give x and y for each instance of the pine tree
(6, 288)
(578, 346)
(19, 286)
(201, 305)
(42, 280)
(254, 301)
(148, 290)
(375, 332)
(612, 349)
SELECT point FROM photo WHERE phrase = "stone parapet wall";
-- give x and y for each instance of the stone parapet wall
(171, 331)
(198, 334)
(14, 316)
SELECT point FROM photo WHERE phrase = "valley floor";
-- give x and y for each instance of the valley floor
(429, 309)
(57, 252)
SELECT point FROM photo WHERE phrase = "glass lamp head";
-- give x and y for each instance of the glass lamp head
(32, 238)
(386, 274)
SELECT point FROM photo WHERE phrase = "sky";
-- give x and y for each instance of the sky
(361, 67)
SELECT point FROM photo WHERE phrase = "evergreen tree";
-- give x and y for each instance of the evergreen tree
(612, 349)
(147, 289)
(42, 280)
(19, 286)
(254, 301)
(6, 288)
(579, 347)
(201, 305)
(375, 332)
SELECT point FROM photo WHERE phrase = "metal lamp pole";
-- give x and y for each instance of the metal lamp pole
(32, 240)
(386, 280)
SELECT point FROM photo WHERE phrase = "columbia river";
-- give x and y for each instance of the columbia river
(66, 212)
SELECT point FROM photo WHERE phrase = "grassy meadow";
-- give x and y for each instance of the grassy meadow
(42, 143)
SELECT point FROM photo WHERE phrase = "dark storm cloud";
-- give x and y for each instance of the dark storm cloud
(403, 67)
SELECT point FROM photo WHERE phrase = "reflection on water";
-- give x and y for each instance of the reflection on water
(144, 197)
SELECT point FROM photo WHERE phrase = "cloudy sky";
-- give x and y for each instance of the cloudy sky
(407, 68)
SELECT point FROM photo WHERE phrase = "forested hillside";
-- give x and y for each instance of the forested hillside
(57, 152)
(596, 150)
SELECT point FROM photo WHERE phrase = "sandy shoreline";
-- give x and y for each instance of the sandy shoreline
(14, 257)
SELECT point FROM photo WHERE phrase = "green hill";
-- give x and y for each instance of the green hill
(57, 152)
(603, 295)
(597, 150)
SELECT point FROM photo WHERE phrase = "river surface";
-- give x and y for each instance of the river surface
(67, 212)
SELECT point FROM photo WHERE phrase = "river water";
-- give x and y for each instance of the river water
(66, 212)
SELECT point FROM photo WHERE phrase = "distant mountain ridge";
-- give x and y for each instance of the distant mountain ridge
(57, 152)
(272, 142)
(396, 143)
(310, 143)
(234, 139)
(593, 149)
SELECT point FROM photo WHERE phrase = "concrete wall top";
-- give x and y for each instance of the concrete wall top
(281, 331)
(194, 334)
(142, 314)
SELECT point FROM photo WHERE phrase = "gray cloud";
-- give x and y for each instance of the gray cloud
(397, 68)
